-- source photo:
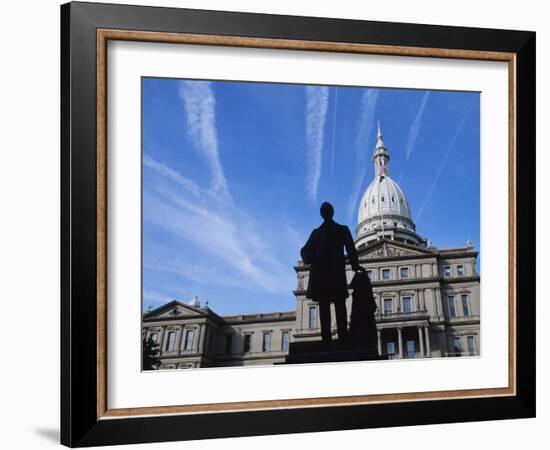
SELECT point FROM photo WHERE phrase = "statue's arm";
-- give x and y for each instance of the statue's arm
(350, 250)
(307, 250)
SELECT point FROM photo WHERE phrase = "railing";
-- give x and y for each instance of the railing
(399, 316)
(309, 331)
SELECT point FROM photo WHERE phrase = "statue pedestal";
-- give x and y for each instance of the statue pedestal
(333, 351)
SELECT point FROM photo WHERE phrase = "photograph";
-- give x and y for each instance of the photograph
(295, 224)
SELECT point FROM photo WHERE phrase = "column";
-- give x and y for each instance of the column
(379, 333)
(162, 339)
(179, 339)
(400, 342)
(428, 349)
(196, 338)
(438, 304)
(421, 341)
(202, 332)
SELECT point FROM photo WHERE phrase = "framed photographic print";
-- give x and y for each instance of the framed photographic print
(276, 224)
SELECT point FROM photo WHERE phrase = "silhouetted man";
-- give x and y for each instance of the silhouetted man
(324, 252)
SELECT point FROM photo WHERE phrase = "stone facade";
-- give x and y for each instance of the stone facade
(428, 300)
(428, 306)
(194, 336)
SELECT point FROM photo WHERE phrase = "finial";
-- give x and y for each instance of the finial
(379, 142)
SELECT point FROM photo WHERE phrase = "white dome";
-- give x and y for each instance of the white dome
(383, 197)
(384, 212)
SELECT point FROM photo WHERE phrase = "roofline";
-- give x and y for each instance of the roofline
(207, 312)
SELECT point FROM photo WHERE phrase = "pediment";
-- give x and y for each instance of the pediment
(173, 310)
(387, 249)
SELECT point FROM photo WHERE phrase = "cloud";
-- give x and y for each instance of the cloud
(163, 169)
(362, 147)
(154, 298)
(415, 127)
(200, 107)
(316, 113)
(219, 234)
(445, 158)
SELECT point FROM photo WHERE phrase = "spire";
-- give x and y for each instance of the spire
(380, 156)
(379, 142)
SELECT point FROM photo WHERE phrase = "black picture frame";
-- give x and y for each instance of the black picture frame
(80, 424)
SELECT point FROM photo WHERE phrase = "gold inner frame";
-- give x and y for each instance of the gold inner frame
(104, 35)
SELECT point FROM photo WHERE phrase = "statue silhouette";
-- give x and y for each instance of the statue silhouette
(324, 252)
(362, 327)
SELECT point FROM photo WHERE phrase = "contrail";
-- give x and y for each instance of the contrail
(414, 131)
(415, 127)
(366, 120)
(432, 187)
(316, 112)
(333, 133)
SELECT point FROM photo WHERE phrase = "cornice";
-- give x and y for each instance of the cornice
(411, 281)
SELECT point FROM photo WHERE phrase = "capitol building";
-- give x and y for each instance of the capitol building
(427, 297)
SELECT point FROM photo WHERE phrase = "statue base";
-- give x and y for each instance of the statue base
(333, 351)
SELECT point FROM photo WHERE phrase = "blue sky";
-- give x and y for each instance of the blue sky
(234, 174)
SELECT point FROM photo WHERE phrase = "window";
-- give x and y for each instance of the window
(447, 271)
(471, 348)
(393, 199)
(465, 306)
(170, 341)
(390, 350)
(189, 335)
(407, 304)
(312, 317)
(404, 272)
(228, 343)
(369, 274)
(457, 346)
(388, 305)
(382, 198)
(266, 342)
(154, 337)
(385, 274)
(411, 353)
(460, 270)
(246, 347)
(452, 309)
(285, 336)
(373, 200)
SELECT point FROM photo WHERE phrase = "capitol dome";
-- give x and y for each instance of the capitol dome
(383, 197)
(384, 211)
